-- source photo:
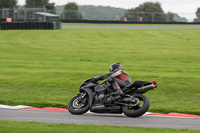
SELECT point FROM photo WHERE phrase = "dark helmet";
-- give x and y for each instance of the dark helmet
(115, 66)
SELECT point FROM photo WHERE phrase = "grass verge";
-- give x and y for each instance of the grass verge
(36, 127)
(46, 67)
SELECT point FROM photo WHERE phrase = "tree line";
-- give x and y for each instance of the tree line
(152, 12)
(148, 11)
(28, 4)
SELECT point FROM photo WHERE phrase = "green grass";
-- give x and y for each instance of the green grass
(36, 127)
(46, 67)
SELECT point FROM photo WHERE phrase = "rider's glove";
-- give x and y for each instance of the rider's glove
(95, 79)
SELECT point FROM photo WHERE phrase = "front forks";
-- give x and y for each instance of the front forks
(80, 98)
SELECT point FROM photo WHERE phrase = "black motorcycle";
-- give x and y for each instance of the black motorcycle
(97, 98)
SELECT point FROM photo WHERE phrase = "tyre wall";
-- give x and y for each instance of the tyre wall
(26, 25)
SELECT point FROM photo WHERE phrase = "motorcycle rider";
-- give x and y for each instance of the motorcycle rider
(117, 78)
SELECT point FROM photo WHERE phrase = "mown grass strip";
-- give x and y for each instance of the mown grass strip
(36, 127)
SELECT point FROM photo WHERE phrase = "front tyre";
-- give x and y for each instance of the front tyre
(139, 109)
(78, 106)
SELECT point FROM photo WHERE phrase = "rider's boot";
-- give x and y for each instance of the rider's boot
(118, 93)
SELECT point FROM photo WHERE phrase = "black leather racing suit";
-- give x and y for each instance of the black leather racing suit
(118, 79)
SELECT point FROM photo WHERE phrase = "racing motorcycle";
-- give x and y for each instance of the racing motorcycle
(97, 98)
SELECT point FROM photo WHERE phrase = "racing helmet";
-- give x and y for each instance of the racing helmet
(115, 66)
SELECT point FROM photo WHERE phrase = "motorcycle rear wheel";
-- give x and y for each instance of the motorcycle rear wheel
(139, 109)
(77, 108)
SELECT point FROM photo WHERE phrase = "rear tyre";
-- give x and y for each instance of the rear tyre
(139, 109)
(77, 106)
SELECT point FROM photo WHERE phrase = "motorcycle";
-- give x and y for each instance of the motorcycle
(97, 98)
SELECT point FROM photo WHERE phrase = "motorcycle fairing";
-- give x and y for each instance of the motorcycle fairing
(90, 93)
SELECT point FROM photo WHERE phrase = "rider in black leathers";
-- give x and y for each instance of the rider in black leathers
(117, 78)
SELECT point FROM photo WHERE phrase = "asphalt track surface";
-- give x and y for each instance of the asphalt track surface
(130, 27)
(99, 119)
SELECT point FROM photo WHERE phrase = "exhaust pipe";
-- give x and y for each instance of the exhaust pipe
(144, 89)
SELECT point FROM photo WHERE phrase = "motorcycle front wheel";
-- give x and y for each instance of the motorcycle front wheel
(78, 105)
(138, 110)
